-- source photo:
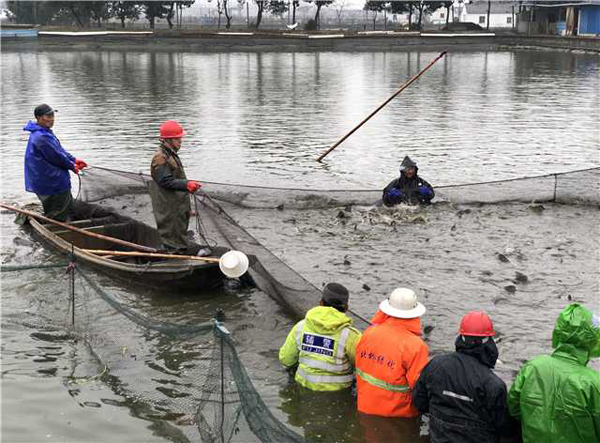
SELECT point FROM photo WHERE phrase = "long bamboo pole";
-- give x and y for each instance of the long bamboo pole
(149, 254)
(406, 85)
(79, 230)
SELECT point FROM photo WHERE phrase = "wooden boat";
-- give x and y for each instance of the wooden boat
(147, 271)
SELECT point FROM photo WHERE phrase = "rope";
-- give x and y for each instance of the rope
(211, 243)
(371, 190)
(9, 268)
(156, 325)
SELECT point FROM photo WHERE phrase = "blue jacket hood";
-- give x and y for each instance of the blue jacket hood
(47, 163)
(33, 127)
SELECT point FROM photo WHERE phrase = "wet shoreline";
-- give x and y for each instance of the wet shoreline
(298, 41)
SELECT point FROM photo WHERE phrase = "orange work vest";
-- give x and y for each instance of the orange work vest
(389, 359)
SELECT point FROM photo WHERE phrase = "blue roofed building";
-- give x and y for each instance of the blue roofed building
(589, 20)
(563, 18)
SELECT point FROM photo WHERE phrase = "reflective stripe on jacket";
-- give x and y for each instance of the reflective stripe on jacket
(323, 345)
(389, 360)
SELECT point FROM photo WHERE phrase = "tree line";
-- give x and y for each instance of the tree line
(85, 14)
(414, 9)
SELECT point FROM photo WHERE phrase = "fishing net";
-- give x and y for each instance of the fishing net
(201, 392)
(574, 187)
(204, 392)
(128, 194)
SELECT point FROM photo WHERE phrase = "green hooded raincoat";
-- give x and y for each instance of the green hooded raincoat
(557, 397)
(324, 347)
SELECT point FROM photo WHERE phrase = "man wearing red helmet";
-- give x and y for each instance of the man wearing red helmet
(465, 400)
(169, 192)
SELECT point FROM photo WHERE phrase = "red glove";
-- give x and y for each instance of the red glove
(80, 164)
(77, 168)
(193, 186)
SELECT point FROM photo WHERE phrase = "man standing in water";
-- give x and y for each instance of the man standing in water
(465, 400)
(409, 187)
(557, 397)
(390, 357)
(47, 166)
(169, 192)
(323, 345)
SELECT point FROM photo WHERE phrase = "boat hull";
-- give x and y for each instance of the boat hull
(165, 275)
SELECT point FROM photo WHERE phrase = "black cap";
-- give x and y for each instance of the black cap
(334, 292)
(43, 110)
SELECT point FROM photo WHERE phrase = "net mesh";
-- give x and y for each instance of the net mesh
(210, 396)
(574, 187)
(203, 393)
(128, 193)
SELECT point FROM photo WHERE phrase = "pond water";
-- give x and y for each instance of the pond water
(262, 119)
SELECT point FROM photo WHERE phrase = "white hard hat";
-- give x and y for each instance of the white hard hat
(402, 303)
(233, 264)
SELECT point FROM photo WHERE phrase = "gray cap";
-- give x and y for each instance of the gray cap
(407, 163)
(43, 109)
(335, 293)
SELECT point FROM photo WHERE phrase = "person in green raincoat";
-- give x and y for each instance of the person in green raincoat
(321, 349)
(557, 397)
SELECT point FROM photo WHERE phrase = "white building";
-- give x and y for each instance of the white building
(502, 13)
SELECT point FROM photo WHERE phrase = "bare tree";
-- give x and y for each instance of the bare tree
(125, 10)
(295, 4)
(320, 4)
(339, 8)
(261, 7)
(376, 6)
(220, 12)
(227, 14)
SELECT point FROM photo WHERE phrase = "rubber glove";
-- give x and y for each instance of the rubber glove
(80, 164)
(193, 186)
(394, 196)
(425, 191)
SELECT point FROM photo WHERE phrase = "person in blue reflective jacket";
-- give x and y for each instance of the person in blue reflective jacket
(47, 165)
(409, 188)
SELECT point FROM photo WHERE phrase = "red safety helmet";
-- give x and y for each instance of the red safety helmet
(476, 324)
(171, 129)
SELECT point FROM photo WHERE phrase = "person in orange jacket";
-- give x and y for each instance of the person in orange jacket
(390, 357)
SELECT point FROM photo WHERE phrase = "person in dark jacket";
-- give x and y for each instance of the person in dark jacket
(169, 192)
(465, 400)
(409, 187)
(47, 166)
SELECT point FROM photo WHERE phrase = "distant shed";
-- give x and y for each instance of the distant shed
(589, 20)
(18, 33)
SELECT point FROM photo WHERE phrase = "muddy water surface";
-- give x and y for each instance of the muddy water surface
(261, 119)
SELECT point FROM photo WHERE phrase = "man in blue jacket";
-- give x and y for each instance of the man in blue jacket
(47, 165)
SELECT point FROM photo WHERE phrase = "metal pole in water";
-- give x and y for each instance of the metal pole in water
(222, 331)
(222, 390)
(72, 266)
